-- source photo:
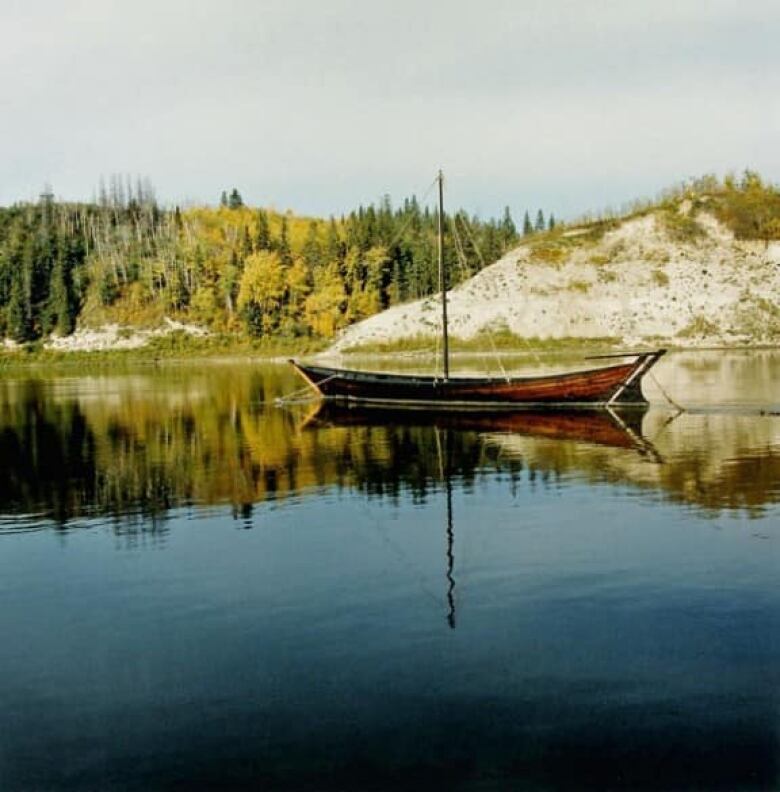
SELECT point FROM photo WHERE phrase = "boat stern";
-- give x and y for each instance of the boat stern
(629, 392)
(305, 374)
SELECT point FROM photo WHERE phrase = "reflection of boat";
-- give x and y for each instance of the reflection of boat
(608, 427)
(615, 384)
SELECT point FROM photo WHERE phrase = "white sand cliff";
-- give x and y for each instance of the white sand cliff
(113, 336)
(634, 284)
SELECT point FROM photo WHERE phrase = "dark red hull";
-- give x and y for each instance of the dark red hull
(616, 384)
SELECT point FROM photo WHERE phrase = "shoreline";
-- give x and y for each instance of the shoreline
(220, 352)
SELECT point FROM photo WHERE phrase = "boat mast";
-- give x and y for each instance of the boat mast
(442, 283)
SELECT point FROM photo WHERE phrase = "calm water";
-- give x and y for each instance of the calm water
(202, 589)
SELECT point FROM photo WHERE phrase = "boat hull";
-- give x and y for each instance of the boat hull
(615, 384)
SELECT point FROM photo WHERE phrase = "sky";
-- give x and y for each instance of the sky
(321, 105)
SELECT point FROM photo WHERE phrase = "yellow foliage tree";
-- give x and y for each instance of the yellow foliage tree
(298, 286)
(204, 305)
(376, 261)
(261, 291)
(363, 303)
(324, 307)
(298, 280)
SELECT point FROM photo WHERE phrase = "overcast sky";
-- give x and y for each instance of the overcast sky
(319, 106)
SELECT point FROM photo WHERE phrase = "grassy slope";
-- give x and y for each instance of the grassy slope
(697, 268)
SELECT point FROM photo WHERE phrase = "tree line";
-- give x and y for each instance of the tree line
(237, 269)
(234, 268)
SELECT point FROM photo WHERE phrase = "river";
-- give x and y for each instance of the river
(204, 589)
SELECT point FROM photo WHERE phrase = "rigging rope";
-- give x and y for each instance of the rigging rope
(666, 395)
(411, 217)
(436, 353)
(473, 241)
(465, 267)
(465, 270)
(498, 357)
(291, 397)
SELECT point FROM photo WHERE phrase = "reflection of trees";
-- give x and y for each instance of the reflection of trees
(47, 453)
(386, 460)
(723, 462)
(714, 461)
(134, 447)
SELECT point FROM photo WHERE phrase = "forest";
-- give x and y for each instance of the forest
(235, 269)
(264, 274)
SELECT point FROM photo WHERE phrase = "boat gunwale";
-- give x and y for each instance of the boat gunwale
(353, 375)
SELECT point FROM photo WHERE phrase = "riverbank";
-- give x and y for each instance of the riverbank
(173, 347)
(419, 352)
(672, 276)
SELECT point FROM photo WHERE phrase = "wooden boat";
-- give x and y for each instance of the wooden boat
(609, 385)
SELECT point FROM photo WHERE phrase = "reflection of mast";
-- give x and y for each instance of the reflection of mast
(444, 471)
(450, 555)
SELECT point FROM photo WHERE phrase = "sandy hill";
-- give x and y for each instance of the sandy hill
(665, 276)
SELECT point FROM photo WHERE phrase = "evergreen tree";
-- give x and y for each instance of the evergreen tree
(223, 199)
(283, 246)
(177, 292)
(235, 201)
(384, 222)
(414, 211)
(539, 221)
(108, 289)
(396, 290)
(252, 314)
(246, 243)
(60, 298)
(491, 243)
(262, 231)
(527, 227)
(334, 248)
(19, 319)
(508, 229)
(312, 251)
(551, 222)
